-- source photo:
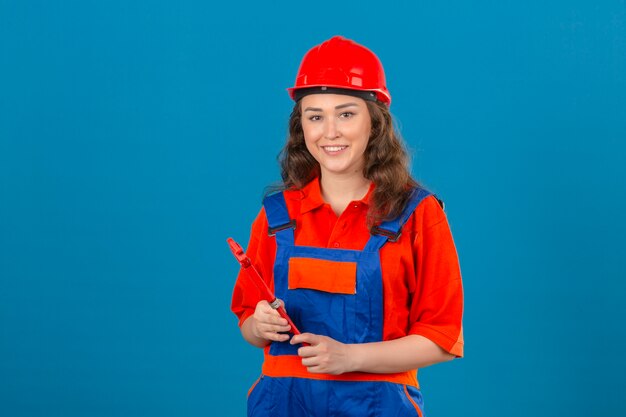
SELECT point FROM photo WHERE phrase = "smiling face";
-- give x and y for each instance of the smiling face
(336, 131)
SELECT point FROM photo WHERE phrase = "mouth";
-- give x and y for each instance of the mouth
(334, 148)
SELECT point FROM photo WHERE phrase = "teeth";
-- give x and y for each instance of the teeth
(334, 148)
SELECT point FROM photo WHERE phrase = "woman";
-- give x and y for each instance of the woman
(361, 256)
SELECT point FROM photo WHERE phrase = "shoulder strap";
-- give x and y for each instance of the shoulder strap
(278, 220)
(391, 230)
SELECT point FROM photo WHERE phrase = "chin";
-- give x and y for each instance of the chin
(336, 170)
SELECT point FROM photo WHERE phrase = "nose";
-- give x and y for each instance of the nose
(330, 129)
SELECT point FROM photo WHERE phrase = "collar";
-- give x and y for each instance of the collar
(311, 196)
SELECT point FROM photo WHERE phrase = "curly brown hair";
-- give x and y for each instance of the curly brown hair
(386, 163)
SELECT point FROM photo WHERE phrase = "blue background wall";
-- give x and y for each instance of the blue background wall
(136, 136)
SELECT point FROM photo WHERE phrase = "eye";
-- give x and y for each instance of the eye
(346, 115)
(315, 118)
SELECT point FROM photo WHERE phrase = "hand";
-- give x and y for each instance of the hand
(268, 324)
(324, 355)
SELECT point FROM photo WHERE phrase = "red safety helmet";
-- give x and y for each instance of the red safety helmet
(340, 63)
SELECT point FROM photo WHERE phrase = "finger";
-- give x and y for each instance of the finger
(272, 323)
(268, 311)
(309, 338)
(310, 362)
(277, 319)
(271, 328)
(276, 337)
(263, 305)
(307, 351)
(269, 316)
(316, 369)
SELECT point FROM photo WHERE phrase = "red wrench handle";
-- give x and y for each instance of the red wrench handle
(266, 293)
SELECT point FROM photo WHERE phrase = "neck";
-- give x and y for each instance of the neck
(340, 190)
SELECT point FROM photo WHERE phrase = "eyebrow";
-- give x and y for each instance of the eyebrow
(341, 106)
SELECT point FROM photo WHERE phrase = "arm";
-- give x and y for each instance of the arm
(406, 353)
(326, 355)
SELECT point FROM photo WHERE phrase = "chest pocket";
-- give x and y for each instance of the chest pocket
(322, 275)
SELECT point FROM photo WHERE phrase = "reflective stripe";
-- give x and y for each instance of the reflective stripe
(419, 411)
(254, 385)
(291, 366)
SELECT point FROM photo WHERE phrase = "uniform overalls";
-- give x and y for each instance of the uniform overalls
(336, 293)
